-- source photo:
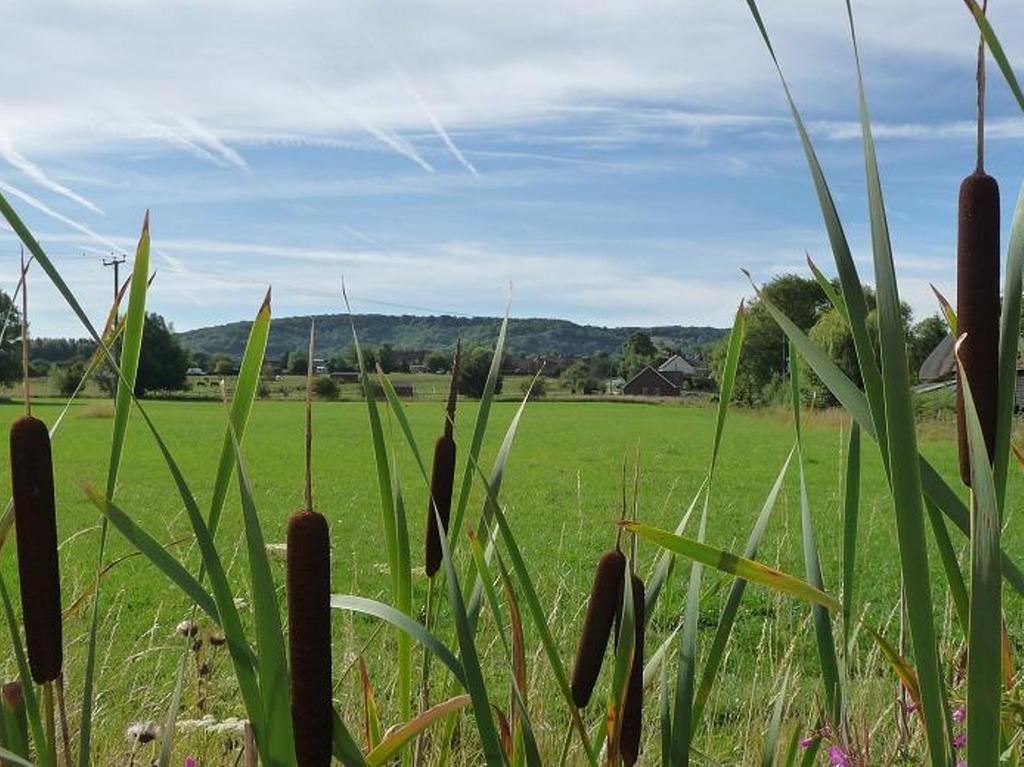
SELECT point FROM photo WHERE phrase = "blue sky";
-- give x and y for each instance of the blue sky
(618, 163)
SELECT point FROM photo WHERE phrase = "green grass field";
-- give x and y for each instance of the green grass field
(562, 492)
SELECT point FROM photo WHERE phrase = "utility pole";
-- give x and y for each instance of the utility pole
(116, 262)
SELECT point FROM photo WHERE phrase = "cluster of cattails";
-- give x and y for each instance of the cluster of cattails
(604, 610)
(977, 292)
(35, 521)
(442, 477)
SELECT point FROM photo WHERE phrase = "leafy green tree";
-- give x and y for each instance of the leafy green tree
(297, 363)
(603, 366)
(163, 361)
(223, 366)
(638, 351)
(474, 367)
(578, 378)
(326, 387)
(67, 377)
(10, 349)
(437, 362)
(386, 357)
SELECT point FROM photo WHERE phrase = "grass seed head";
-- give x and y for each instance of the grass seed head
(977, 298)
(632, 716)
(442, 479)
(35, 523)
(309, 636)
(605, 597)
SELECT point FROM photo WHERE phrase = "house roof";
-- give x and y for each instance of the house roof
(677, 363)
(941, 363)
(652, 370)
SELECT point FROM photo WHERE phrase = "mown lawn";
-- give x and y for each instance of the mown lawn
(562, 490)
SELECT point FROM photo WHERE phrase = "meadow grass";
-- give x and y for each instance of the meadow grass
(562, 495)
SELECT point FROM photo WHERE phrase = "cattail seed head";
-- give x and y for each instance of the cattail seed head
(632, 716)
(442, 479)
(35, 522)
(309, 636)
(977, 298)
(605, 598)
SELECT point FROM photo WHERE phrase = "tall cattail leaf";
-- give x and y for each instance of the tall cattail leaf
(36, 534)
(370, 716)
(405, 624)
(984, 643)
(683, 720)
(771, 735)
(727, 618)
(602, 608)
(948, 312)
(513, 652)
(849, 280)
(834, 296)
(997, 50)
(904, 471)
(343, 745)
(271, 658)
(131, 351)
(536, 611)
(14, 720)
(631, 732)
(950, 563)
(398, 738)
(35, 721)
(851, 512)
(494, 755)
(812, 565)
(154, 552)
(241, 407)
(309, 637)
(9, 757)
(1009, 339)
(482, 416)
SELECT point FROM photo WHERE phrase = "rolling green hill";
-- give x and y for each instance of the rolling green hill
(526, 336)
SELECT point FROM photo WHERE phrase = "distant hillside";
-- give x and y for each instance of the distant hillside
(525, 336)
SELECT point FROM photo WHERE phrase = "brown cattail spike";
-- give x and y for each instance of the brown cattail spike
(35, 523)
(632, 716)
(977, 289)
(309, 636)
(442, 478)
(977, 293)
(605, 598)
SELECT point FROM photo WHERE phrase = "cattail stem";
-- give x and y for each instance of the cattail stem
(65, 730)
(50, 723)
(421, 741)
(309, 417)
(981, 97)
(24, 334)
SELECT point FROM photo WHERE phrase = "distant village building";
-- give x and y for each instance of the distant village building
(650, 383)
(679, 371)
(939, 370)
